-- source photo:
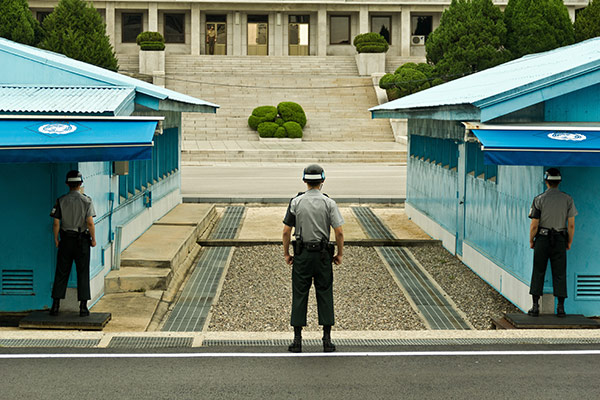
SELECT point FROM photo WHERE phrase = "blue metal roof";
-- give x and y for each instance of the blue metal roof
(104, 100)
(82, 72)
(530, 74)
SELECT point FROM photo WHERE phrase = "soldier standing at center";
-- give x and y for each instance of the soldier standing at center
(312, 213)
(74, 233)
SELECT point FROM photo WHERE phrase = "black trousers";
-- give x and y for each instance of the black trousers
(309, 266)
(72, 247)
(553, 248)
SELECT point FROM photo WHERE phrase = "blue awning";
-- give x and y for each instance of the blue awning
(546, 146)
(75, 140)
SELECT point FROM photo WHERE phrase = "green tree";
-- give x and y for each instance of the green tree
(587, 22)
(537, 25)
(17, 22)
(470, 38)
(76, 30)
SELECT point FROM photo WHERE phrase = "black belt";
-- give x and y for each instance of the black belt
(73, 234)
(314, 246)
(550, 232)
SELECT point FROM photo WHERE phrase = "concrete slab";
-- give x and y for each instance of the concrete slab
(396, 220)
(186, 214)
(131, 312)
(137, 279)
(96, 321)
(551, 321)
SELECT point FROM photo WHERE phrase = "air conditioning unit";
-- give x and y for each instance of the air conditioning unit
(418, 40)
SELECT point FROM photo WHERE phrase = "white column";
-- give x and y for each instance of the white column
(153, 17)
(237, 34)
(195, 48)
(363, 17)
(110, 23)
(406, 32)
(322, 31)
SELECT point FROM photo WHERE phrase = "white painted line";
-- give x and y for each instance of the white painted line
(289, 355)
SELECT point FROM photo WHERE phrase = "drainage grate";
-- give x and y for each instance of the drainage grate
(17, 282)
(229, 223)
(587, 286)
(372, 224)
(400, 342)
(80, 343)
(138, 342)
(434, 308)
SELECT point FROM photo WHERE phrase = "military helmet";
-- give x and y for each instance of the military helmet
(74, 176)
(552, 175)
(313, 174)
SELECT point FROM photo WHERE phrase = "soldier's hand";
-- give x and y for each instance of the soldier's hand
(289, 259)
(56, 242)
(93, 244)
(337, 260)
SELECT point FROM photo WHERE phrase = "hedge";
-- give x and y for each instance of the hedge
(149, 36)
(280, 132)
(267, 129)
(262, 114)
(293, 129)
(290, 111)
(152, 46)
(370, 43)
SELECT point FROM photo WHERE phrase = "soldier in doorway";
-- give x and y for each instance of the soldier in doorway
(211, 37)
(74, 233)
(550, 236)
(312, 213)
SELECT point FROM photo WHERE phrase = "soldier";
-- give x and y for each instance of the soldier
(74, 220)
(551, 235)
(312, 213)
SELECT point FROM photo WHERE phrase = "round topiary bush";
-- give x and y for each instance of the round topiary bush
(267, 129)
(408, 65)
(371, 42)
(293, 129)
(387, 81)
(410, 81)
(290, 111)
(262, 114)
(279, 121)
(149, 41)
(280, 133)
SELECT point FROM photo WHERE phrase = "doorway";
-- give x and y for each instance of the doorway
(258, 35)
(216, 35)
(299, 35)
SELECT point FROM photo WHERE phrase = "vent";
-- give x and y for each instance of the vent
(17, 282)
(587, 286)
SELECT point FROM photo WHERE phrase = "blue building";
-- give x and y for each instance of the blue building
(123, 134)
(478, 148)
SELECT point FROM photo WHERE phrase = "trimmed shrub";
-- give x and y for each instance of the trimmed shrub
(280, 132)
(279, 121)
(267, 129)
(427, 69)
(393, 93)
(150, 41)
(410, 65)
(410, 81)
(152, 46)
(293, 129)
(262, 114)
(371, 42)
(386, 81)
(291, 111)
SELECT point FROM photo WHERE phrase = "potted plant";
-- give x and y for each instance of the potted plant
(152, 56)
(371, 48)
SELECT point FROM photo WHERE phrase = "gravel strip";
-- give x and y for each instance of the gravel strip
(257, 294)
(478, 300)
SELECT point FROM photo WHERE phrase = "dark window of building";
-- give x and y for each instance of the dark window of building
(216, 18)
(383, 26)
(422, 25)
(339, 30)
(174, 28)
(41, 15)
(258, 18)
(299, 19)
(132, 25)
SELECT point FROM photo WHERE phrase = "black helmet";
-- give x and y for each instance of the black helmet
(74, 176)
(313, 174)
(552, 175)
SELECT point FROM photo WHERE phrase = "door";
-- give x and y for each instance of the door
(298, 35)
(216, 38)
(258, 35)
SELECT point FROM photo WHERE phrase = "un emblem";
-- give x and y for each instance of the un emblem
(57, 128)
(567, 136)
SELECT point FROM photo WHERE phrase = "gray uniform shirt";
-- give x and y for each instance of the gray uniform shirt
(312, 213)
(72, 210)
(553, 208)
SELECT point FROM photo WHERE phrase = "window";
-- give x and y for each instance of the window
(174, 28)
(41, 15)
(421, 25)
(476, 166)
(383, 26)
(132, 25)
(441, 152)
(339, 30)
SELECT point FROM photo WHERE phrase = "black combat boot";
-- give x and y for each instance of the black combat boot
(535, 310)
(55, 307)
(560, 308)
(83, 310)
(328, 347)
(296, 346)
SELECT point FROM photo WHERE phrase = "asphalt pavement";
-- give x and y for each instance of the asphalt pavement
(511, 372)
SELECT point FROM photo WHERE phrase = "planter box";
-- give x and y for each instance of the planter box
(370, 63)
(152, 62)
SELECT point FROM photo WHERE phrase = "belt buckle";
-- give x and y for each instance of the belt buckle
(544, 231)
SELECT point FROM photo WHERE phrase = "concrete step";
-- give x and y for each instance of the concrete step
(137, 279)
